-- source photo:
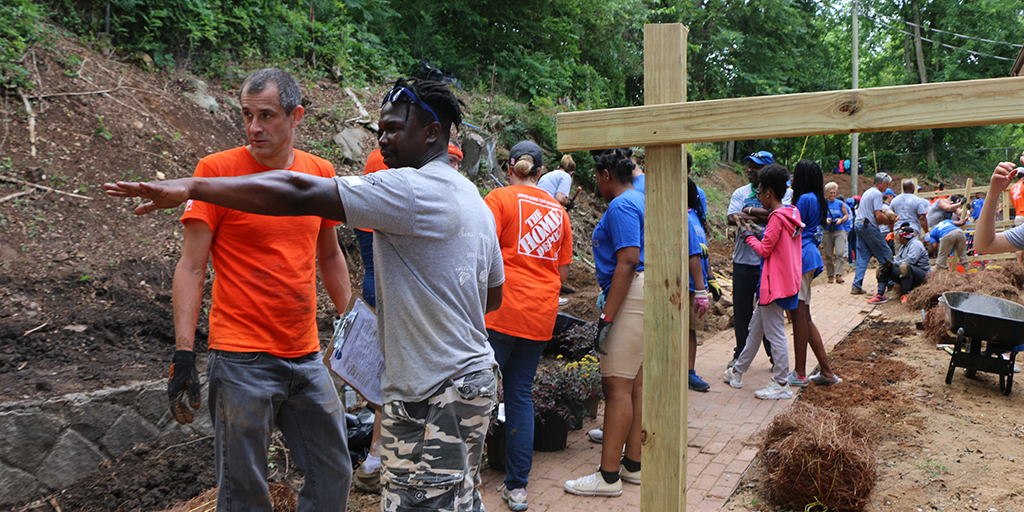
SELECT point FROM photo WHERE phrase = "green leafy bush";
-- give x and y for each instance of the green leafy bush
(19, 28)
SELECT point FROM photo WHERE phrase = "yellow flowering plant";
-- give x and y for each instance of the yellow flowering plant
(565, 387)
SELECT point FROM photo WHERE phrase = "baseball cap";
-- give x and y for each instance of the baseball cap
(527, 147)
(760, 158)
(454, 150)
(889, 192)
(907, 232)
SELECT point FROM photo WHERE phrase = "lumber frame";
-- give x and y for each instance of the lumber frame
(666, 288)
(905, 107)
(663, 126)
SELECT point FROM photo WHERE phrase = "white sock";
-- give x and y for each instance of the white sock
(371, 464)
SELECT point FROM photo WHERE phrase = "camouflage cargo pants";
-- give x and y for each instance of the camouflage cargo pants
(431, 450)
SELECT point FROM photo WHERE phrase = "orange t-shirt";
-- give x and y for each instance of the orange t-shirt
(535, 239)
(1017, 197)
(264, 290)
(374, 163)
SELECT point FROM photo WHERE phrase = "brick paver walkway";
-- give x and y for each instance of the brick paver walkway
(721, 421)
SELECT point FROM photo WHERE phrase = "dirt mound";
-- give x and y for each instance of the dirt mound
(174, 468)
(862, 361)
(819, 458)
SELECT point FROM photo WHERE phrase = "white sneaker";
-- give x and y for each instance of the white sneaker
(630, 477)
(733, 377)
(596, 435)
(774, 391)
(593, 485)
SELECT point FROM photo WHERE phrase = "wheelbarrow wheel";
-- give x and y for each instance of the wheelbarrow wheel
(970, 373)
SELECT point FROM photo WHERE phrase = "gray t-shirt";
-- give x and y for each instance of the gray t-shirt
(1016, 237)
(870, 202)
(914, 254)
(936, 215)
(555, 181)
(741, 198)
(908, 206)
(436, 253)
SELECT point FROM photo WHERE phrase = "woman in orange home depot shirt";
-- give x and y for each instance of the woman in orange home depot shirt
(536, 247)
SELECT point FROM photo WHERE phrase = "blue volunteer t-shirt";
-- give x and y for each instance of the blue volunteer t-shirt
(835, 211)
(640, 183)
(850, 214)
(810, 214)
(976, 208)
(621, 226)
(940, 230)
(698, 242)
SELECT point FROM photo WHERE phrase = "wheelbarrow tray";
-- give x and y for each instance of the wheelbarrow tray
(976, 318)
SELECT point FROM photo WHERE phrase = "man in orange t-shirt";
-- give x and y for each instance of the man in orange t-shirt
(263, 367)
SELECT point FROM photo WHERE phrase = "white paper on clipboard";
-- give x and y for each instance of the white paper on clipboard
(355, 354)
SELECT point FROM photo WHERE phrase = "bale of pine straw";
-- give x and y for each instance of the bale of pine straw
(816, 459)
(1001, 283)
(281, 497)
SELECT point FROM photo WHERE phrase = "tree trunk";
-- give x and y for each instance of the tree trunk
(917, 41)
(930, 139)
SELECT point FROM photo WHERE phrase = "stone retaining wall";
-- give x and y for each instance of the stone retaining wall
(47, 445)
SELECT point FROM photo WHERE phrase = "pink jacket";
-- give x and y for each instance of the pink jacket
(780, 248)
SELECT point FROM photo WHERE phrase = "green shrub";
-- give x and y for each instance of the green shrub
(19, 28)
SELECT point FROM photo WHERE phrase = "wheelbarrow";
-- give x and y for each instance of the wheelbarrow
(976, 319)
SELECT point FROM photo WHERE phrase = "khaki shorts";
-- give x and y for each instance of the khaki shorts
(805, 287)
(625, 343)
(696, 322)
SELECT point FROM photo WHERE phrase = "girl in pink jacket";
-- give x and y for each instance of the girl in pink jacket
(781, 269)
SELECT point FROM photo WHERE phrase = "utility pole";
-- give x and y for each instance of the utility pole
(855, 138)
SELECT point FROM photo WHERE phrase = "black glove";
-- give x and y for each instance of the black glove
(571, 205)
(603, 326)
(184, 379)
(715, 289)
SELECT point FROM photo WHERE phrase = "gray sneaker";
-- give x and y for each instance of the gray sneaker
(516, 498)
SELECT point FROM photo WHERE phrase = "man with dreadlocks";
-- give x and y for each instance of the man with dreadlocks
(439, 270)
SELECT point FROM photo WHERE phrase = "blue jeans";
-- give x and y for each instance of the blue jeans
(250, 392)
(870, 242)
(518, 359)
(366, 250)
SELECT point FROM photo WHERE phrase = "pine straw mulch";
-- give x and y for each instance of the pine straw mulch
(1003, 281)
(281, 497)
(819, 457)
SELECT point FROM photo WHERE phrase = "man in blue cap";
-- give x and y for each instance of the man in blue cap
(746, 264)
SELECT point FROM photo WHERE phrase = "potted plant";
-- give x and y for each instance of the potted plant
(563, 392)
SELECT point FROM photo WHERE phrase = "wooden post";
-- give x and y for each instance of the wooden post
(666, 283)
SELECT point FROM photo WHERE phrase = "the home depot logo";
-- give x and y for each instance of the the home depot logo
(541, 228)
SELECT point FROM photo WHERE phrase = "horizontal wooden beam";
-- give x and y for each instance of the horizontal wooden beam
(907, 107)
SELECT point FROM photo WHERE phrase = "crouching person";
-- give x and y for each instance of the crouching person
(910, 266)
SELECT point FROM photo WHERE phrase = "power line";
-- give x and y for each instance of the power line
(950, 33)
(943, 44)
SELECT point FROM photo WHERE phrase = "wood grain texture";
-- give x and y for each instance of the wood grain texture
(908, 107)
(665, 284)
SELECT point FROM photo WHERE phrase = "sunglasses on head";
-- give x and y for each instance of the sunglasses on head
(396, 94)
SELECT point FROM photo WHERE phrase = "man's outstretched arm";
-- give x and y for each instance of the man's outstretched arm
(277, 193)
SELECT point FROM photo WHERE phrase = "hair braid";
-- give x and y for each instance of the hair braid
(438, 97)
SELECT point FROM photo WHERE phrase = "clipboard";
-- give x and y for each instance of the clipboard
(354, 353)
